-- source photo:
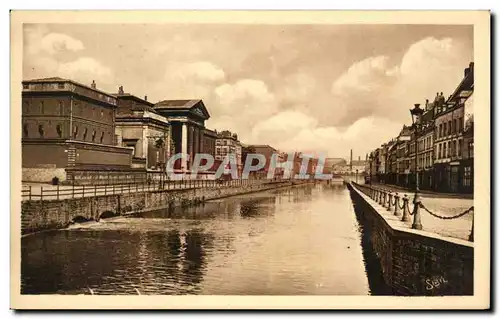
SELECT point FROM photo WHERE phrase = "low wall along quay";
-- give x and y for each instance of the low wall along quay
(48, 214)
(414, 262)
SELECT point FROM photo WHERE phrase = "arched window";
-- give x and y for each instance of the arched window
(102, 137)
(41, 130)
(85, 134)
(59, 130)
(75, 132)
(93, 135)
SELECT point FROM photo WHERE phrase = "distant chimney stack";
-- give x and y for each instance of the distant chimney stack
(93, 85)
(145, 97)
(120, 90)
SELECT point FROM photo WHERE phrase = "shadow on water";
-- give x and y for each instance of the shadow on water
(378, 286)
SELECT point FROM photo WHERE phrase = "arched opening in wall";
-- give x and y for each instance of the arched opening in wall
(107, 214)
(85, 134)
(59, 130)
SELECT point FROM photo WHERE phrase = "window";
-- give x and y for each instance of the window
(26, 86)
(59, 130)
(440, 130)
(460, 142)
(60, 85)
(75, 132)
(102, 137)
(102, 113)
(470, 149)
(440, 154)
(449, 149)
(61, 108)
(444, 129)
(41, 130)
(25, 130)
(42, 108)
(93, 135)
(445, 155)
(449, 127)
(460, 124)
(85, 134)
(468, 176)
(454, 148)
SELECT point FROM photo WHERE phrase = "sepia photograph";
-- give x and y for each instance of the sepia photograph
(234, 155)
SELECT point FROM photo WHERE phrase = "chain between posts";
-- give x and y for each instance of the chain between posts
(447, 217)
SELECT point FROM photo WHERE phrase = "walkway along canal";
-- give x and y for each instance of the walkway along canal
(302, 240)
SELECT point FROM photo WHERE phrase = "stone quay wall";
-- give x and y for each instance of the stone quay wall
(414, 262)
(56, 214)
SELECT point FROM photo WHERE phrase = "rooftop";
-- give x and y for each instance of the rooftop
(57, 79)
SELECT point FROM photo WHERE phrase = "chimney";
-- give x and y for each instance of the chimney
(93, 84)
(145, 97)
(120, 90)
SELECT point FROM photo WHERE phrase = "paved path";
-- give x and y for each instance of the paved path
(51, 192)
(443, 206)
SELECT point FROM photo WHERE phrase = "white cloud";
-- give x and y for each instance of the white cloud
(85, 70)
(43, 58)
(56, 42)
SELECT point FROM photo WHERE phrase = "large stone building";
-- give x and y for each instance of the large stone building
(450, 126)
(68, 127)
(187, 121)
(140, 127)
(227, 144)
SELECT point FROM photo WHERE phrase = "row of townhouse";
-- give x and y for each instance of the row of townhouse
(440, 149)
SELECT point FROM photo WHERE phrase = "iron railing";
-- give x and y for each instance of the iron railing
(392, 202)
(59, 192)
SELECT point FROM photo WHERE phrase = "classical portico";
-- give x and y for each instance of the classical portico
(187, 120)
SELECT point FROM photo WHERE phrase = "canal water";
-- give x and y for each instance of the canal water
(303, 240)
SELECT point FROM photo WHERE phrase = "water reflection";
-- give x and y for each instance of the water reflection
(301, 240)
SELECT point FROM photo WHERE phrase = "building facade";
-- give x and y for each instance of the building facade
(68, 126)
(140, 127)
(443, 150)
(187, 122)
(227, 144)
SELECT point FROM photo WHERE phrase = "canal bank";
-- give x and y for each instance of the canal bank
(414, 262)
(56, 214)
(302, 240)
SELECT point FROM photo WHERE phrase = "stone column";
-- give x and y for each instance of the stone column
(184, 146)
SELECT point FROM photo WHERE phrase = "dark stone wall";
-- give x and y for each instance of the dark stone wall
(54, 214)
(414, 264)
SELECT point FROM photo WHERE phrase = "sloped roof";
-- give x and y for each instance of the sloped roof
(182, 105)
(177, 104)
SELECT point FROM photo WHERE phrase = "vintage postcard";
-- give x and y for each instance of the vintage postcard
(250, 160)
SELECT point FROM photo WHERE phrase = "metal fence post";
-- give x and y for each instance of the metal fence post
(73, 191)
(29, 195)
(83, 191)
(396, 205)
(390, 200)
(57, 191)
(471, 236)
(113, 188)
(41, 193)
(95, 190)
(417, 223)
(405, 217)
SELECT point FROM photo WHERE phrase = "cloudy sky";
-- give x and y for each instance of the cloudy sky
(323, 88)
